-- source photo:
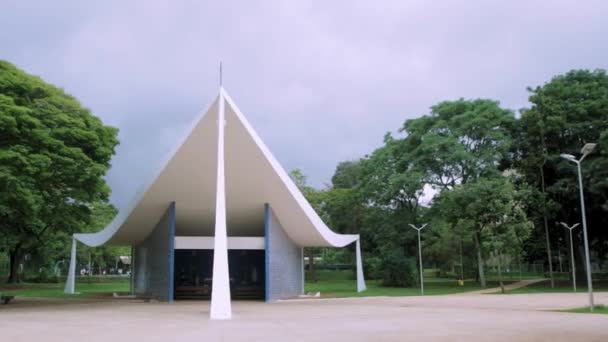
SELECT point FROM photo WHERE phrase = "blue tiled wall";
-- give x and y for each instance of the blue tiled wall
(284, 263)
(154, 260)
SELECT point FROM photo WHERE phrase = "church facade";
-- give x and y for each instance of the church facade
(219, 220)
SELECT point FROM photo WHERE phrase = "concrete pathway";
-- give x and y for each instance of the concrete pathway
(508, 287)
(524, 317)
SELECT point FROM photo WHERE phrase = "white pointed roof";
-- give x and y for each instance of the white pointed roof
(188, 176)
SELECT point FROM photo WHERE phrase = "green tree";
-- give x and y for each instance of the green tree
(101, 257)
(53, 156)
(491, 212)
(315, 198)
(347, 175)
(459, 141)
(567, 112)
(389, 196)
(456, 143)
(301, 181)
(529, 140)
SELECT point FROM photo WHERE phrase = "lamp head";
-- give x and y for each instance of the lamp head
(588, 148)
(566, 226)
(568, 157)
(418, 228)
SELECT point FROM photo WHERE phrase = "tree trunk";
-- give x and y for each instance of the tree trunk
(311, 265)
(482, 277)
(461, 262)
(15, 260)
(502, 285)
(520, 275)
(542, 182)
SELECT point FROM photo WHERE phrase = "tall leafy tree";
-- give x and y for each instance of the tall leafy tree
(389, 193)
(529, 141)
(491, 212)
(567, 112)
(53, 156)
(459, 141)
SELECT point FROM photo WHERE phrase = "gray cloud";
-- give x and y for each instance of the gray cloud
(320, 81)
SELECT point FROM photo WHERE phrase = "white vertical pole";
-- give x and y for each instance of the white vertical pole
(587, 258)
(220, 290)
(132, 269)
(420, 257)
(420, 261)
(572, 265)
(360, 278)
(70, 282)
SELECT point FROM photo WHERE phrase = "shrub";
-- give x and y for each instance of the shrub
(397, 270)
(371, 267)
(40, 277)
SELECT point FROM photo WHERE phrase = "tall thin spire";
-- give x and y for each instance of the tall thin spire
(220, 290)
(220, 73)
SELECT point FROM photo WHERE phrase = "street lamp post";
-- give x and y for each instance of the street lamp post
(573, 267)
(420, 257)
(588, 148)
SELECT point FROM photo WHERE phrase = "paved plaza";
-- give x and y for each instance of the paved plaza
(480, 317)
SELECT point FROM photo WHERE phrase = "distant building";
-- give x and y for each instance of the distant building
(220, 220)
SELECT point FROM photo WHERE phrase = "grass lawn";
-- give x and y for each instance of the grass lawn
(598, 309)
(343, 284)
(561, 286)
(330, 284)
(97, 287)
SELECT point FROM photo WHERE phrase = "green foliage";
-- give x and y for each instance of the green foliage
(388, 199)
(497, 177)
(298, 177)
(567, 112)
(390, 182)
(336, 256)
(102, 257)
(459, 141)
(489, 210)
(347, 175)
(53, 156)
(489, 168)
(396, 270)
(315, 198)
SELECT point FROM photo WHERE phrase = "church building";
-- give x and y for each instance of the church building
(220, 220)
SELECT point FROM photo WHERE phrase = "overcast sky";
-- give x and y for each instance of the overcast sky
(321, 81)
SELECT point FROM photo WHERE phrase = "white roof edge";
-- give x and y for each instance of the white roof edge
(101, 237)
(333, 239)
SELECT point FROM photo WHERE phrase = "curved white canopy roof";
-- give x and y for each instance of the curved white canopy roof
(188, 177)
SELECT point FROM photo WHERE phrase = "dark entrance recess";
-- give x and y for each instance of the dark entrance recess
(194, 270)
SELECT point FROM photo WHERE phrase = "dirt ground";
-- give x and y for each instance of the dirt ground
(437, 318)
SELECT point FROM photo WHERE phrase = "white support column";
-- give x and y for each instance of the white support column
(360, 279)
(220, 292)
(132, 275)
(70, 282)
(302, 267)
